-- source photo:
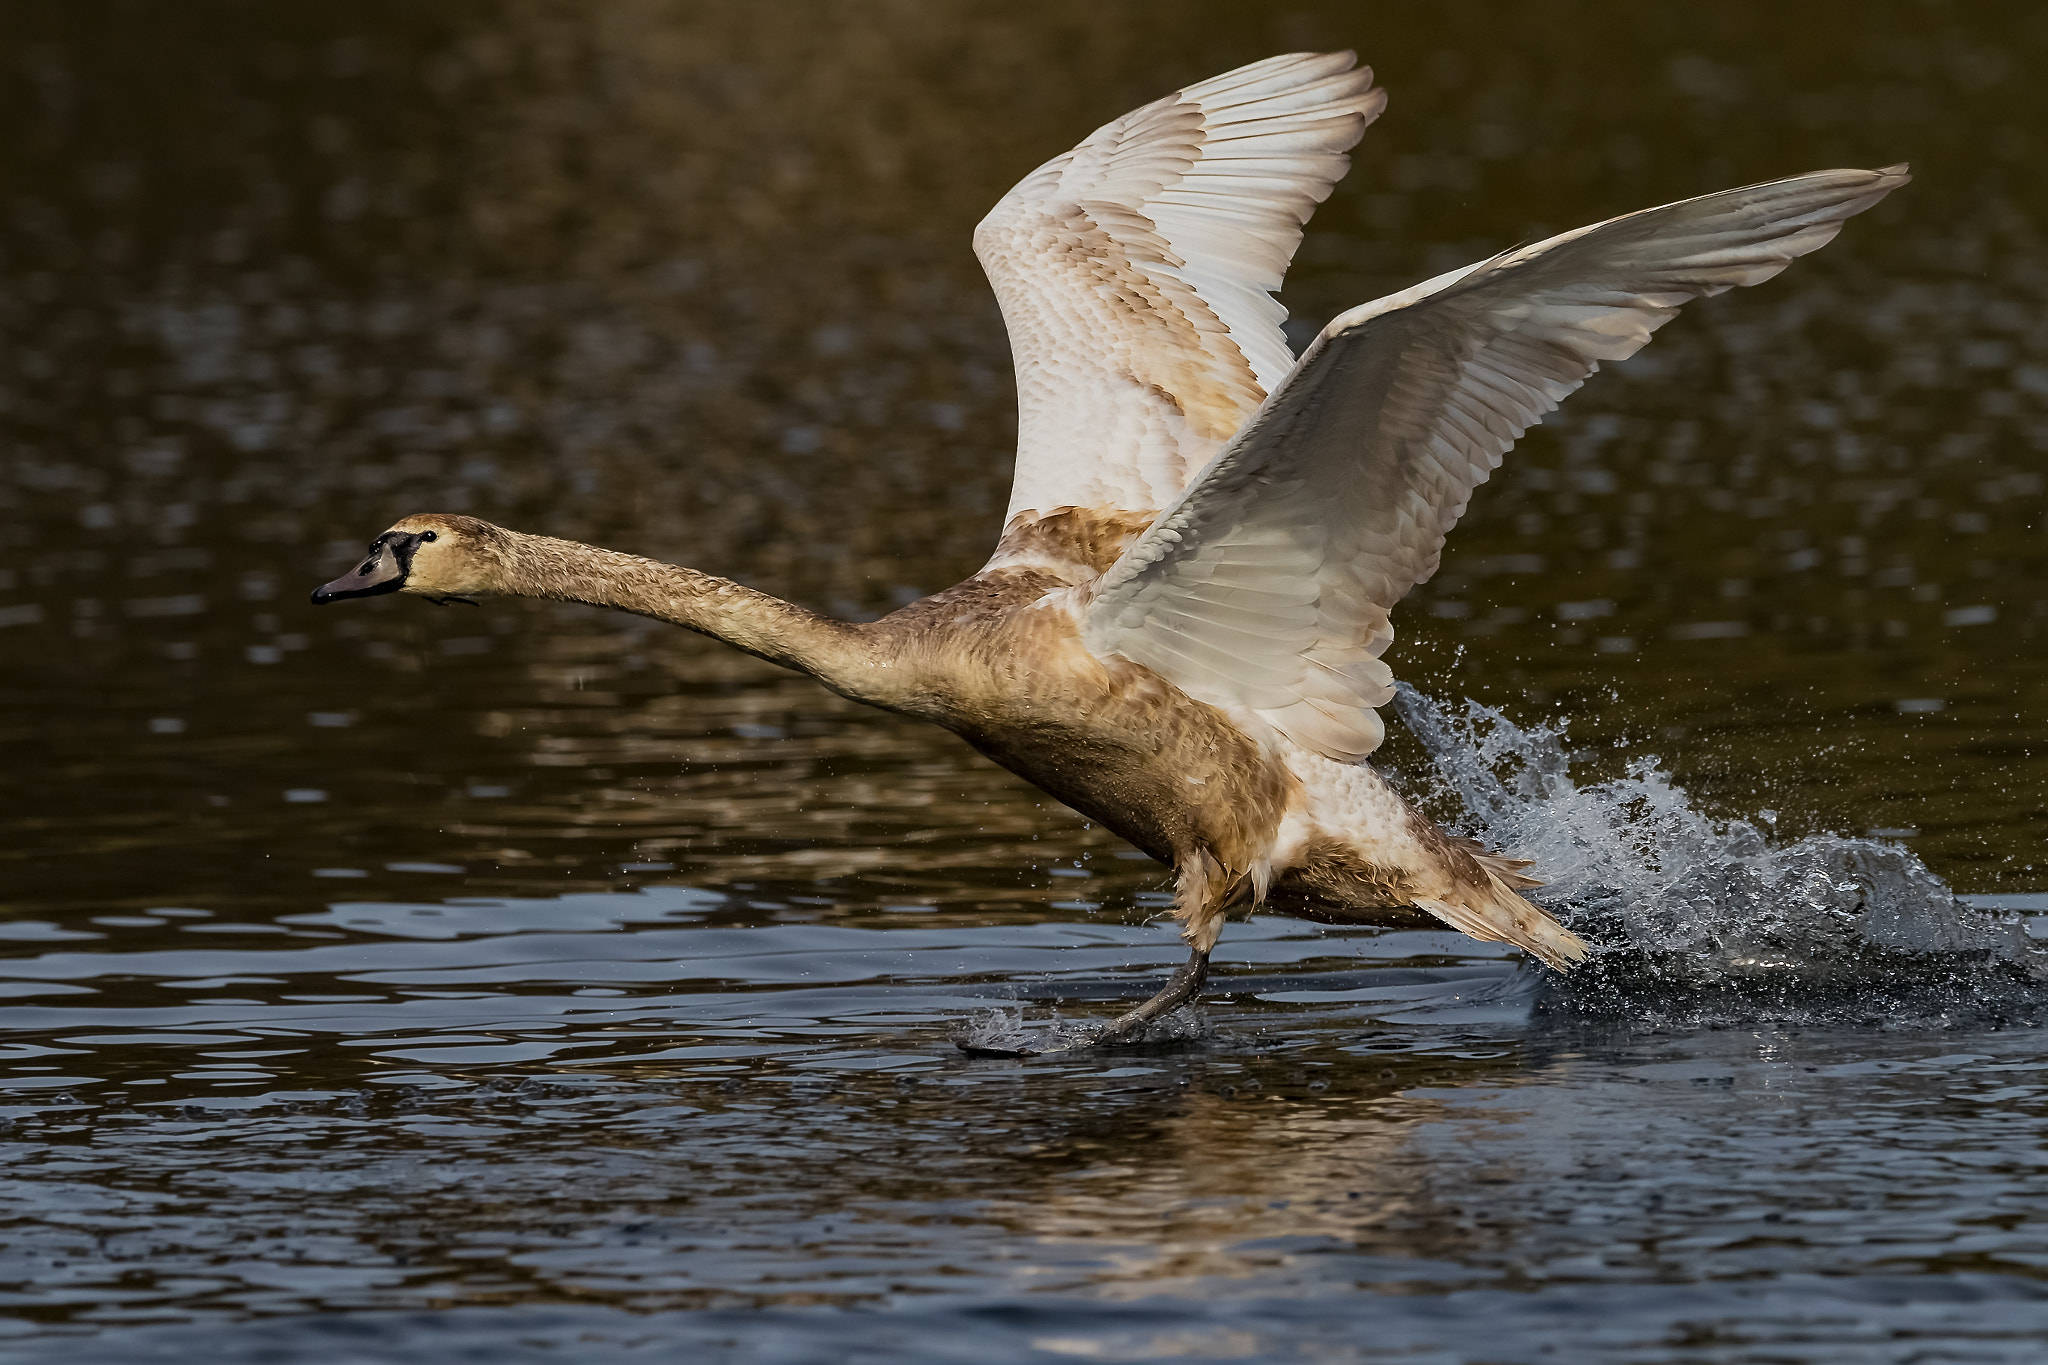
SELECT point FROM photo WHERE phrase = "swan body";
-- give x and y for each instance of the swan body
(1179, 633)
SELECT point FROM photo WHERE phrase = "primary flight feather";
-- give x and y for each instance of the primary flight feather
(1269, 580)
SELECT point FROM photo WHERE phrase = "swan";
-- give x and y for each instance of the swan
(1180, 633)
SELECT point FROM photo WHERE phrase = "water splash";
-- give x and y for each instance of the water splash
(1005, 1032)
(1713, 920)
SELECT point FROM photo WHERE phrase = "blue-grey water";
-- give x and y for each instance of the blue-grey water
(390, 983)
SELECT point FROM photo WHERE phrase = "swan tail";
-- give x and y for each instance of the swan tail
(1494, 912)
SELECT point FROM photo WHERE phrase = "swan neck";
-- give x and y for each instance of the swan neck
(767, 627)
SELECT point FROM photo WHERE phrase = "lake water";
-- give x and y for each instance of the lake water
(392, 983)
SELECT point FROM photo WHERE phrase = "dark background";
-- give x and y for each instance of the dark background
(695, 281)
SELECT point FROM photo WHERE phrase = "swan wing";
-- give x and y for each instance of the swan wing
(1136, 272)
(1269, 582)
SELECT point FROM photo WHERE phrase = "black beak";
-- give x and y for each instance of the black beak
(384, 571)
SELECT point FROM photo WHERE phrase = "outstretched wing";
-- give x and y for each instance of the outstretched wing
(1136, 274)
(1268, 584)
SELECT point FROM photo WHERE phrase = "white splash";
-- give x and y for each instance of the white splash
(1666, 893)
(1005, 1032)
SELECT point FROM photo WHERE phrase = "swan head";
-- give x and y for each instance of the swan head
(434, 555)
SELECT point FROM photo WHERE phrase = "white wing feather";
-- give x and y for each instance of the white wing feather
(1136, 272)
(1268, 584)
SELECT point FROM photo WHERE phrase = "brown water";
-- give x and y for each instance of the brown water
(393, 983)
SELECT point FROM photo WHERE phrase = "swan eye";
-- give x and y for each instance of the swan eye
(428, 535)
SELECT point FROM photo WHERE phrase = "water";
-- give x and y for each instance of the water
(1711, 920)
(605, 1124)
(527, 984)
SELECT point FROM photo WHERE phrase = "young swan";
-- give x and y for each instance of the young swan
(1180, 631)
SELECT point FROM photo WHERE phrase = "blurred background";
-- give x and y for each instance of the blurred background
(694, 281)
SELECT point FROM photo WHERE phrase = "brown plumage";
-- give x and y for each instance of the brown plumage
(999, 661)
(1179, 633)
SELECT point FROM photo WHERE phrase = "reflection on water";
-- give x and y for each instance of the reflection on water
(351, 1115)
(465, 978)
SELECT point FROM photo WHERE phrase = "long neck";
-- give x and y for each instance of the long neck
(768, 627)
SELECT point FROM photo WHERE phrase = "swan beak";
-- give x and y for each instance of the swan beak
(383, 571)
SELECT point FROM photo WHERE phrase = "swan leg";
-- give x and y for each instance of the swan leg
(1202, 895)
(1127, 1027)
(1184, 986)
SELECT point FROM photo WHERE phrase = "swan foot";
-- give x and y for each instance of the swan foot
(1128, 1027)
